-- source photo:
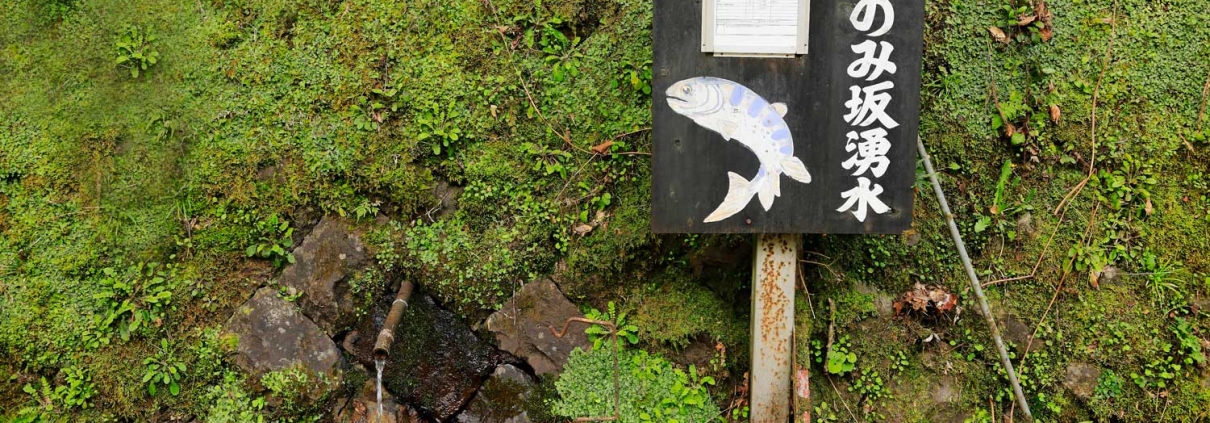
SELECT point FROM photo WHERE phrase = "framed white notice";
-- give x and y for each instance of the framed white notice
(755, 27)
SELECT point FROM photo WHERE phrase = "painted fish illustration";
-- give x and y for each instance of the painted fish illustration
(737, 113)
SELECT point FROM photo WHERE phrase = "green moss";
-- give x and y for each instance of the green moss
(673, 310)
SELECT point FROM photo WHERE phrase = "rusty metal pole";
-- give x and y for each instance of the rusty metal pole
(773, 273)
(382, 346)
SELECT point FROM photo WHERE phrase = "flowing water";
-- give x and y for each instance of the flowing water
(379, 364)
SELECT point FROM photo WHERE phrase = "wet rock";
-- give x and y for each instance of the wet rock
(945, 391)
(436, 363)
(1014, 330)
(1199, 303)
(365, 410)
(501, 399)
(1109, 275)
(884, 303)
(324, 262)
(724, 255)
(1025, 226)
(274, 335)
(447, 197)
(522, 326)
(699, 352)
(1081, 379)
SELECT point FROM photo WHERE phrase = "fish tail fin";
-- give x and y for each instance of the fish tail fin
(794, 168)
(739, 192)
(765, 189)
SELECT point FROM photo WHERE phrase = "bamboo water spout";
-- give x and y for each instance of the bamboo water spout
(386, 337)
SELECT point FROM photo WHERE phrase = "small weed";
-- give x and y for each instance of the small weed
(839, 359)
(868, 385)
(440, 124)
(1109, 385)
(75, 394)
(273, 236)
(230, 403)
(824, 413)
(599, 335)
(164, 369)
(1190, 344)
(130, 300)
(900, 362)
(135, 50)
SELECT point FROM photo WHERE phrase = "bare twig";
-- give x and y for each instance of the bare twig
(1034, 272)
(1058, 289)
(833, 272)
(841, 397)
(802, 280)
(1095, 93)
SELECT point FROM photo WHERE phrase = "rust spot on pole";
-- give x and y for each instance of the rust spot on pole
(773, 323)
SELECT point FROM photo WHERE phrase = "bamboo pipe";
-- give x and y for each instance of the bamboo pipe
(386, 337)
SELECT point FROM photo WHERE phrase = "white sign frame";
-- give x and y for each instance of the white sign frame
(710, 34)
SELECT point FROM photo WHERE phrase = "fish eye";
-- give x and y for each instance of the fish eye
(686, 89)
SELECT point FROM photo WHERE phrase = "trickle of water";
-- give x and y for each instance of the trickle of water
(379, 364)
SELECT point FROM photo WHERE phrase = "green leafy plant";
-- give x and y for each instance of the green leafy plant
(135, 50)
(839, 360)
(76, 393)
(1109, 385)
(599, 335)
(1189, 343)
(440, 124)
(296, 389)
(824, 413)
(900, 362)
(1159, 371)
(739, 414)
(273, 237)
(164, 369)
(868, 384)
(549, 160)
(231, 403)
(131, 300)
(635, 76)
(652, 389)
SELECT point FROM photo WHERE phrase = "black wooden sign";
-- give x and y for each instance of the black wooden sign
(816, 143)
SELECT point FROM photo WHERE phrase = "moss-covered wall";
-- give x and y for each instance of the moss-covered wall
(296, 109)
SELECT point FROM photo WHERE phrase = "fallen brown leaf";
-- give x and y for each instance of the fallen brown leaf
(582, 229)
(1093, 276)
(998, 34)
(1046, 33)
(1055, 113)
(1027, 20)
(1148, 208)
(602, 148)
(1009, 129)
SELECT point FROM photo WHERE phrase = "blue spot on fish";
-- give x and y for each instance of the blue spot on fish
(789, 149)
(737, 95)
(780, 134)
(758, 105)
